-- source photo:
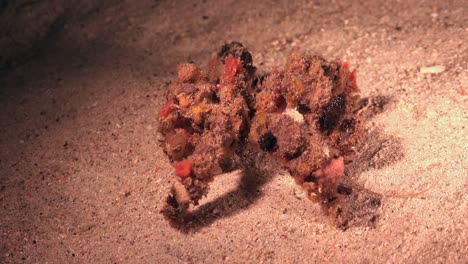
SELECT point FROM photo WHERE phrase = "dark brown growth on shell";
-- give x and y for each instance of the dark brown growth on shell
(267, 142)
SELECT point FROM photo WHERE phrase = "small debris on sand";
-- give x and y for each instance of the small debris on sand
(432, 70)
